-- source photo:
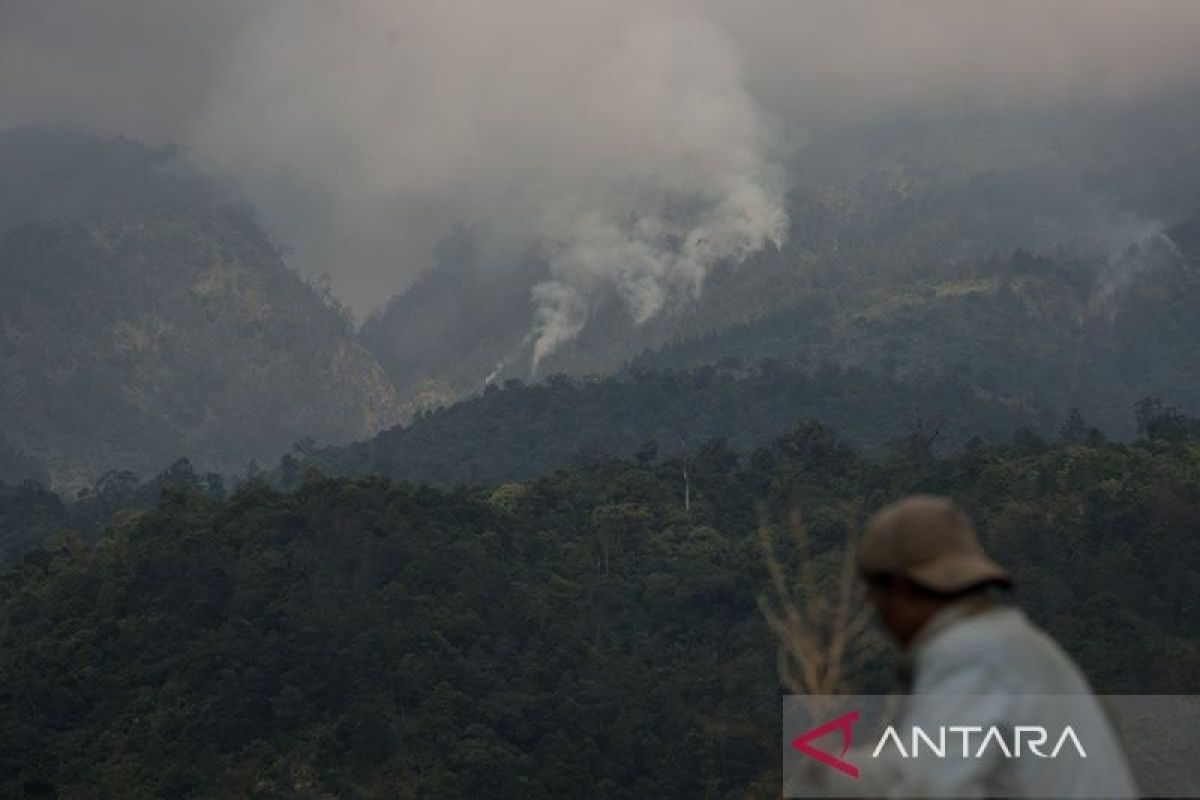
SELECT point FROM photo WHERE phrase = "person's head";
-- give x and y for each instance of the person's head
(919, 555)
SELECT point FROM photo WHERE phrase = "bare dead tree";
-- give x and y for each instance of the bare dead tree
(820, 617)
(685, 459)
(923, 435)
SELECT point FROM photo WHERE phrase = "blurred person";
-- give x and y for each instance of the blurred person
(968, 653)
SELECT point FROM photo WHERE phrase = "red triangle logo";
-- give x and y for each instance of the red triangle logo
(844, 723)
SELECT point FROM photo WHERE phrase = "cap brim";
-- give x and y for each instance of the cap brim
(958, 571)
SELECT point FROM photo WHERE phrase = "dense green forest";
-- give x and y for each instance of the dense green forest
(426, 405)
(32, 515)
(579, 634)
(1047, 331)
(550, 588)
(520, 431)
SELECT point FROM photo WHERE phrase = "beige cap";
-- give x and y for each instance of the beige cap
(930, 541)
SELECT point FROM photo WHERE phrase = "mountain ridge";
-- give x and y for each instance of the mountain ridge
(162, 324)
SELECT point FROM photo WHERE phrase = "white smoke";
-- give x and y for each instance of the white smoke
(693, 182)
(620, 141)
(1142, 246)
(623, 139)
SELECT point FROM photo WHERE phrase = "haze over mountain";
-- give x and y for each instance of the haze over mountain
(145, 316)
(899, 258)
(630, 149)
(874, 207)
(424, 399)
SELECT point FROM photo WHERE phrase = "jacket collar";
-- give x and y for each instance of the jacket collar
(958, 611)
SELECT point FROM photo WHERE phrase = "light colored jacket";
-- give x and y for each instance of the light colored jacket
(993, 663)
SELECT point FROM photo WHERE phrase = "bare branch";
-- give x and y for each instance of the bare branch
(823, 632)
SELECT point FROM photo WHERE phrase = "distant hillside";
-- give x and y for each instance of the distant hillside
(1007, 343)
(144, 315)
(523, 431)
(1052, 332)
(913, 201)
(17, 466)
(449, 330)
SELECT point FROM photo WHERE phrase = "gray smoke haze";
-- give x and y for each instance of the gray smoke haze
(635, 144)
(622, 143)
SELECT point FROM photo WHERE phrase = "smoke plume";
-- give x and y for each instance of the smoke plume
(623, 146)
(633, 145)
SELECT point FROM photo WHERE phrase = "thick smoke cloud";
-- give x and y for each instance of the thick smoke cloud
(623, 146)
(631, 145)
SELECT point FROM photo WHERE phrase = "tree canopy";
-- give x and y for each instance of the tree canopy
(582, 633)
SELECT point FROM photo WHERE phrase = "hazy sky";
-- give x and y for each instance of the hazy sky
(635, 142)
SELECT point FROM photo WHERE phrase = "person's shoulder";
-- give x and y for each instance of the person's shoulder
(1004, 641)
(980, 639)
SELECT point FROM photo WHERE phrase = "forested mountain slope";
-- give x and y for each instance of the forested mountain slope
(913, 200)
(1014, 342)
(582, 632)
(1052, 332)
(523, 431)
(144, 315)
